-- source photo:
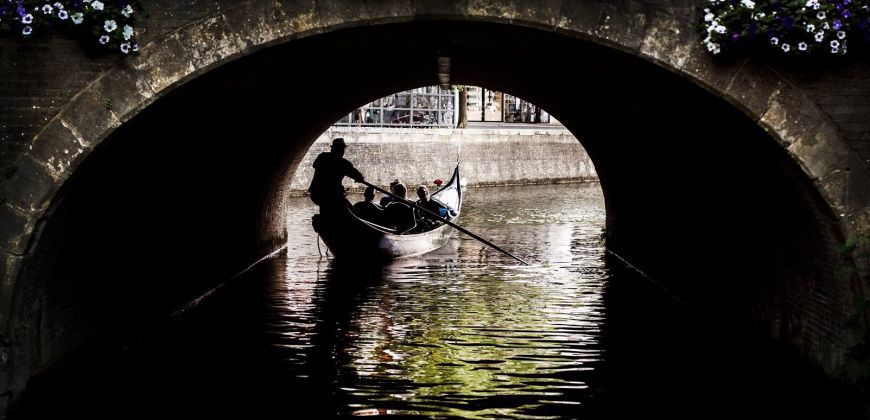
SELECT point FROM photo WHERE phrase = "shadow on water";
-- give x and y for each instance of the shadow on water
(669, 360)
(222, 359)
(266, 346)
(461, 332)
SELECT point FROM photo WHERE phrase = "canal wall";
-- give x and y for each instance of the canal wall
(488, 156)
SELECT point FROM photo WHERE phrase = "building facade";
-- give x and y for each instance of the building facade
(435, 107)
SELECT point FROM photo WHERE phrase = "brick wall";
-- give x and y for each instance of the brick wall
(39, 75)
(841, 88)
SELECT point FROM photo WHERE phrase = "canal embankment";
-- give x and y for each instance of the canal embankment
(489, 155)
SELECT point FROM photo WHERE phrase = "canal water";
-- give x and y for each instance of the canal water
(461, 332)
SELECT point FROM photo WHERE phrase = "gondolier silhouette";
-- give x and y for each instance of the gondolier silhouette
(330, 168)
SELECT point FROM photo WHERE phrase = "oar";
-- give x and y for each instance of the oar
(445, 221)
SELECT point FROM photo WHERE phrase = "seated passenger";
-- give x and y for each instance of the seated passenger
(368, 210)
(398, 215)
(426, 203)
(386, 199)
(426, 221)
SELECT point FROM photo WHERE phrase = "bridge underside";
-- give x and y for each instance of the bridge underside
(193, 188)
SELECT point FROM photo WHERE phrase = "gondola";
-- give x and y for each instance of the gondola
(349, 237)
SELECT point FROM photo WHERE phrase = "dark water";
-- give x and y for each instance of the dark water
(462, 332)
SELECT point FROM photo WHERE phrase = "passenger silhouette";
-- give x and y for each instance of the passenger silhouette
(399, 215)
(367, 209)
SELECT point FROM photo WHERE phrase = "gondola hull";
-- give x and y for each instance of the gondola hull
(349, 237)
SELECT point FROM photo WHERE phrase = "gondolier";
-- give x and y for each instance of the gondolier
(330, 168)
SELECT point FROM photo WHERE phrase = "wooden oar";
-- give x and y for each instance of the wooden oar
(445, 221)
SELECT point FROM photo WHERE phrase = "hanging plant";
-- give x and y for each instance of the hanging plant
(791, 27)
(109, 23)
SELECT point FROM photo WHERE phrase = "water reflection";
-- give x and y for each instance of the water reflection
(461, 331)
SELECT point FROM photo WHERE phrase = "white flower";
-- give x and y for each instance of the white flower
(786, 47)
(835, 44)
(826, 26)
(97, 5)
(78, 18)
(811, 28)
(27, 19)
(834, 50)
(721, 29)
(748, 3)
(709, 17)
(57, 5)
(127, 11)
(125, 48)
(62, 14)
(820, 15)
(760, 15)
(810, 3)
(104, 39)
(27, 30)
(86, 1)
(47, 9)
(841, 34)
(110, 25)
(820, 36)
(128, 32)
(802, 46)
(816, 6)
(713, 47)
(774, 41)
(135, 47)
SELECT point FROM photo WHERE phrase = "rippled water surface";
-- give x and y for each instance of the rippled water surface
(461, 332)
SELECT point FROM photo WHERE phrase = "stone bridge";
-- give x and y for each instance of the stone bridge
(131, 185)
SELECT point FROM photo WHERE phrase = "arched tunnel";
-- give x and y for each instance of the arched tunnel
(191, 190)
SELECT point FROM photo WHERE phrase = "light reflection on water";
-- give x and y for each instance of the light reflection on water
(462, 331)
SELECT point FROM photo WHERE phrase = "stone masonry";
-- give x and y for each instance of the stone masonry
(498, 156)
(58, 104)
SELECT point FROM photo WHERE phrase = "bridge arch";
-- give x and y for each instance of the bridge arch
(794, 178)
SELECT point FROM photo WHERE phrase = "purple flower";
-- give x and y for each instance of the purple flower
(846, 14)
(836, 24)
(21, 11)
(839, 6)
(735, 36)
